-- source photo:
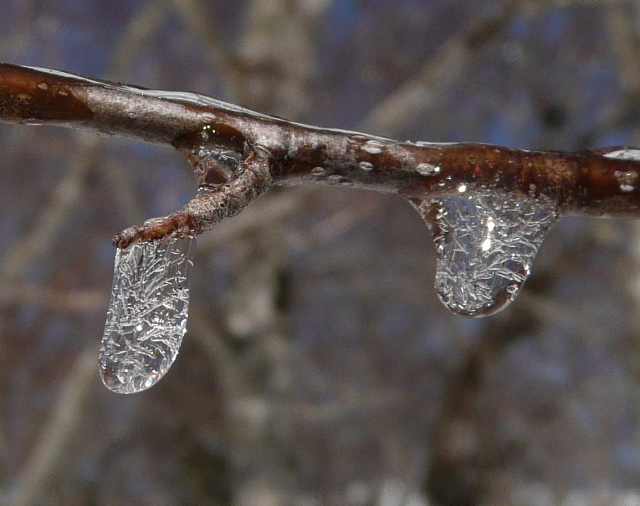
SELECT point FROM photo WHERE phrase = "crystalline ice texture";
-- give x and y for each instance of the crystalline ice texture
(147, 315)
(485, 244)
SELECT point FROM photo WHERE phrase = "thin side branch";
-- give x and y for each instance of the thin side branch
(251, 179)
(237, 153)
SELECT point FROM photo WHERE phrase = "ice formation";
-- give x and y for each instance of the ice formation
(486, 241)
(147, 315)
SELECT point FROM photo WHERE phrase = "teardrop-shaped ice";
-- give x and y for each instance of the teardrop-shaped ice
(485, 244)
(147, 316)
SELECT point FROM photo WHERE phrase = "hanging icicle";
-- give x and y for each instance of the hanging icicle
(147, 316)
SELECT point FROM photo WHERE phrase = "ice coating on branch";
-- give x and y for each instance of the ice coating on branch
(625, 154)
(627, 180)
(485, 244)
(147, 316)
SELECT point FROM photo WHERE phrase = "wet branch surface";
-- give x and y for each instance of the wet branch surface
(237, 154)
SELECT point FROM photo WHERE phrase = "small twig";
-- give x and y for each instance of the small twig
(238, 153)
(200, 214)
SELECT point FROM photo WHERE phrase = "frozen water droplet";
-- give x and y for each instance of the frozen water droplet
(426, 169)
(220, 155)
(208, 152)
(208, 117)
(147, 316)
(485, 244)
(372, 147)
(626, 179)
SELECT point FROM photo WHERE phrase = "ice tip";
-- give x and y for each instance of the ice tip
(123, 382)
(461, 306)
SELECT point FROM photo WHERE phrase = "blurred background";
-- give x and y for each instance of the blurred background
(319, 367)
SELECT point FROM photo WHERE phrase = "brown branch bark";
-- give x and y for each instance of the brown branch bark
(237, 153)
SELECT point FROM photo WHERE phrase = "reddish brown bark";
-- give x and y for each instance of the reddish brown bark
(238, 153)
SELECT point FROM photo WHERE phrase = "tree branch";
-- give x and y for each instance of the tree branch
(237, 153)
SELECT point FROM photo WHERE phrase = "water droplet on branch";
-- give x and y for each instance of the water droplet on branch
(372, 147)
(211, 153)
(485, 244)
(214, 154)
(426, 169)
(147, 314)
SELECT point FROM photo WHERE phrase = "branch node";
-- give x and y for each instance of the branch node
(213, 204)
